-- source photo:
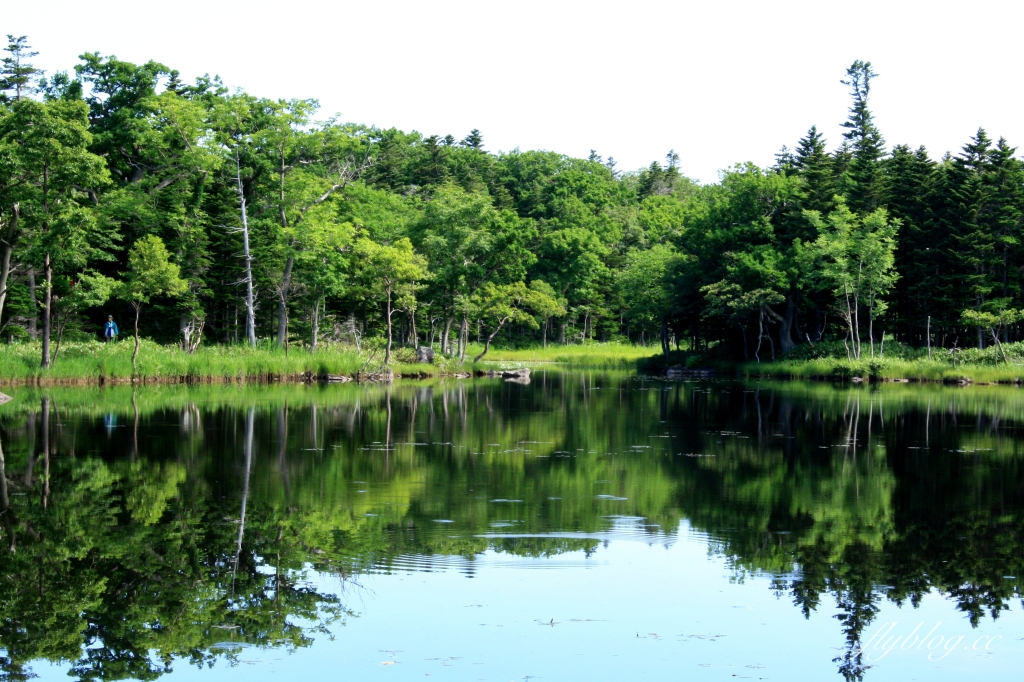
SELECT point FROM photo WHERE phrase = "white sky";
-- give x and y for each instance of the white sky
(720, 82)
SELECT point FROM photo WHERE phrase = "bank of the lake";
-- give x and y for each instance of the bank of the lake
(831, 361)
(97, 363)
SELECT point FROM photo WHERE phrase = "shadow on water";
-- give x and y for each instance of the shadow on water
(147, 526)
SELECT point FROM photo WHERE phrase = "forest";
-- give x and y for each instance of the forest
(193, 213)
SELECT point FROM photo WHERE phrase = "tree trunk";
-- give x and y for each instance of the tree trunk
(33, 320)
(561, 333)
(664, 338)
(786, 326)
(316, 324)
(282, 301)
(544, 333)
(445, 334)
(135, 353)
(413, 334)
(1002, 352)
(487, 343)
(387, 349)
(250, 303)
(48, 300)
(5, 256)
(463, 339)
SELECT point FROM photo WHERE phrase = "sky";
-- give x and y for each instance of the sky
(719, 82)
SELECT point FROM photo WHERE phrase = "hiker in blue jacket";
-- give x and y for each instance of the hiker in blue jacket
(110, 331)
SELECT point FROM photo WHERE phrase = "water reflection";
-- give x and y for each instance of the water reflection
(160, 524)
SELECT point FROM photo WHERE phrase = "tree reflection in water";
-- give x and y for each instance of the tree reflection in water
(171, 523)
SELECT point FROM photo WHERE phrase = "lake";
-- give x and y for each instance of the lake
(584, 525)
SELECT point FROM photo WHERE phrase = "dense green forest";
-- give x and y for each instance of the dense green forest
(206, 214)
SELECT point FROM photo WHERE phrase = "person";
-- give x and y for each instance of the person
(110, 329)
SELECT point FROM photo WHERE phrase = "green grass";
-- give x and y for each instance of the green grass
(829, 361)
(93, 362)
(590, 356)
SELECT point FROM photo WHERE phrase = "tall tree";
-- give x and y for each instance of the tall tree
(16, 72)
(863, 179)
(50, 141)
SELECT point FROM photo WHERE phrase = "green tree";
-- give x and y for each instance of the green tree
(391, 274)
(150, 273)
(863, 178)
(48, 147)
(516, 303)
(16, 73)
(854, 258)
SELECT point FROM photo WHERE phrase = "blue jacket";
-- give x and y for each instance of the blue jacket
(110, 329)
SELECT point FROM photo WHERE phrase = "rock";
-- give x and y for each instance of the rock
(516, 373)
(425, 354)
(5, 398)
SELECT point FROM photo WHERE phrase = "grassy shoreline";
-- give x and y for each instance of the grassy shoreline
(95, 363)
(883, 369)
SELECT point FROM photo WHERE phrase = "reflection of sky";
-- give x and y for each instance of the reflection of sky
(659, 609)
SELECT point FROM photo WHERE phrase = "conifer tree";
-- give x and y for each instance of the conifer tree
(815, 166)
(863, 179)
(16, 73)
(908, 177)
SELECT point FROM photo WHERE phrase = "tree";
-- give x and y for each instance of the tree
(814, 165)
(996, 318)
(644, 289)
(150, 273)
(16, 73)
(863, 179)
(500, 304)
(47, 144)
(469, 243)
(391, 273)
(854, 258)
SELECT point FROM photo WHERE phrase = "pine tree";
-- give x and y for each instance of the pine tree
(816, 168)
(16, 73)
(863, 179)
(908, 178)
(1002, 216)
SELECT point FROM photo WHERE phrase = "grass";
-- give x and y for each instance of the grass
(95, 362)
(829, 361)
(590, 356)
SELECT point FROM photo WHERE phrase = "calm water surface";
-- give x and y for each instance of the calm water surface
(583, 526)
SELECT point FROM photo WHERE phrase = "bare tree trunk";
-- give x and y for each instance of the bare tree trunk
(282, 301)
(48, 301)
(387, 350)
(5, 255)
(544, 332)
(135, 353)
(33, 320)
(445, 334)
(250, 303)
(664, 338)
(463, 338)
(316, 324)
(928, 336)
(413, 334)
